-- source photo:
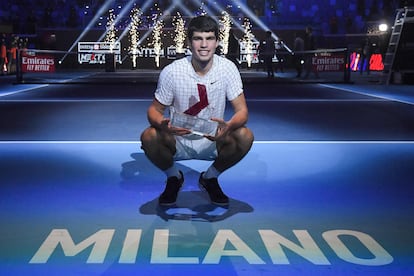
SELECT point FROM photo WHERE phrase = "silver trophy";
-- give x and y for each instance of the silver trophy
(198, 126)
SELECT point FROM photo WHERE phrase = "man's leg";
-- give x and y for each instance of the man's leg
(233, 149)
(159, 147)
(230, 152)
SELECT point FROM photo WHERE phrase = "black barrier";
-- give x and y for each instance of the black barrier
(332, 64)
(19, 73)
(51, 66)
(110, 63)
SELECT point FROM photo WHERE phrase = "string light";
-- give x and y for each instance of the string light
(156, 39)
(225, 23)
(179, 29)
(248, 41)
(155, 24)
(134, 34)
(110, 36)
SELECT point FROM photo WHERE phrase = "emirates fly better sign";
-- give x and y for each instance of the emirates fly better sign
(38, 63)
(328, 62)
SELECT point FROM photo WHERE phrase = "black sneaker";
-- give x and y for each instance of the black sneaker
(213, 189)
(173, 186)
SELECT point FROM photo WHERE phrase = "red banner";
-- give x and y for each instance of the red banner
(328, 62)
(38, 64)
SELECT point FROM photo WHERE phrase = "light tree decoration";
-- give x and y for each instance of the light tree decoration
(134, 34)
(225, 23)
(248, 41)
(156, 39)
(179, 29)
(110, 36)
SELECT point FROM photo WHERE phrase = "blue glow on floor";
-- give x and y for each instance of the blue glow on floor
(283, 187)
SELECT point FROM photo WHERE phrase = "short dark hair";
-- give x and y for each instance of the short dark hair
(202, 23)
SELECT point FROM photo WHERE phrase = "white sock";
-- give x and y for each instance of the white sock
(211, 172)
(173, 171)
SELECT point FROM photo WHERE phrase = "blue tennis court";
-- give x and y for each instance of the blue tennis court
(326, 189)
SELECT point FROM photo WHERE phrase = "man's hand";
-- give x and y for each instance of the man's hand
(222, 130)
(167, 127)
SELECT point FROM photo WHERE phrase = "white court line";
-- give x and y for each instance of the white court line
(77, 100)
(315, 100)
(2, 94)
(255, 142)
(356, 91)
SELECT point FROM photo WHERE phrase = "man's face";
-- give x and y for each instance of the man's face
(203, 46)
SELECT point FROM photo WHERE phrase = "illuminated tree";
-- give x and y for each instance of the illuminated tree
(156, 40)
(179, 29)
(134, 34)
(248, 41)
(110, 36)
(225, 23)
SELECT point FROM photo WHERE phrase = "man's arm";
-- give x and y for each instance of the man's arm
(241, 113)
(239, 118)
(155, 115)
(157, 120)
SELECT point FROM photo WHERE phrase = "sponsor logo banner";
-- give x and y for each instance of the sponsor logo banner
(38, 63)
(329, 62)
(94, 52)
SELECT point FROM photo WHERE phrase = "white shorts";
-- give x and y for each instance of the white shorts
(200, 149)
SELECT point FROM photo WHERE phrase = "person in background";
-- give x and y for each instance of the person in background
(309, 46)
(12, 55)
(233, 51)
(366, 52)
(267, 51)
(298, 48)
(3, 56)
(280, 45)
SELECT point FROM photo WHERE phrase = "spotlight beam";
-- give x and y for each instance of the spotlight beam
(186, 11)
(123, 12)
(143, 9)
(250, 14)
(179, 3)
(219, 9)
(146, 34)
(101, 10)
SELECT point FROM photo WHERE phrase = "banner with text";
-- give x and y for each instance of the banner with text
(94, 52)
(329, 62)
(38, 63)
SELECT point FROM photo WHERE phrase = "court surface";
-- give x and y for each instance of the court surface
(327, 188)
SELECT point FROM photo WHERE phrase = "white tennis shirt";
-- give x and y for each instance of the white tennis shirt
(177, 86)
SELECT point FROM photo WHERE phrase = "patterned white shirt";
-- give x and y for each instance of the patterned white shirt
(177, 86)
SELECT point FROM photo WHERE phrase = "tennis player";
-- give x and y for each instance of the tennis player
(198, 85)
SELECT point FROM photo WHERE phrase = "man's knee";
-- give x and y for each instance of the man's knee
(148, 135)
(245, 137)
(152, 139)
(240, 140)
(148, 138)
